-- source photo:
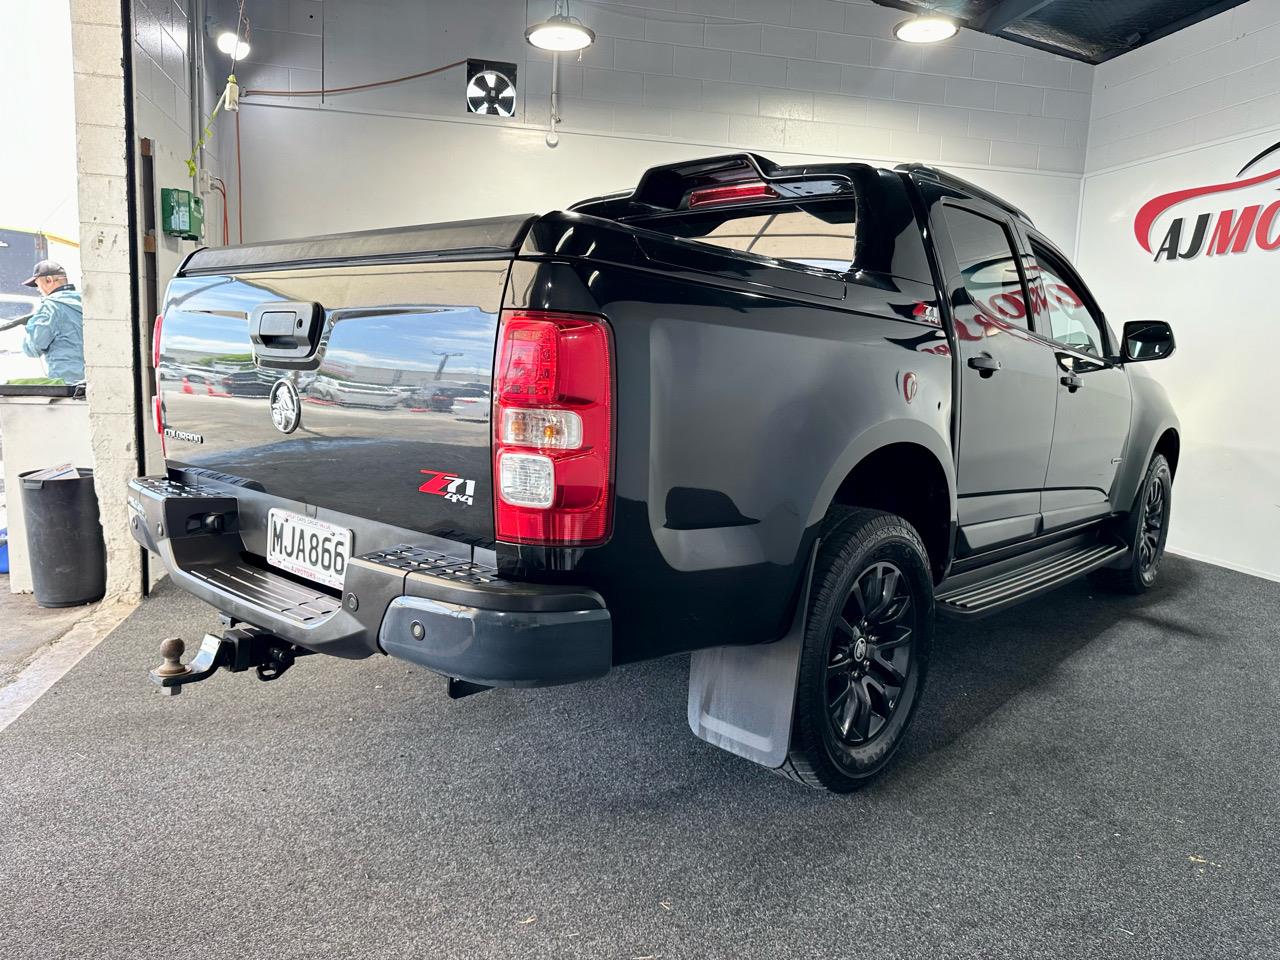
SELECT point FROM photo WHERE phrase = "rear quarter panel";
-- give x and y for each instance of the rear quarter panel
(740, 409)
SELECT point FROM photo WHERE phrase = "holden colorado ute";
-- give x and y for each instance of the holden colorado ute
(776, 417)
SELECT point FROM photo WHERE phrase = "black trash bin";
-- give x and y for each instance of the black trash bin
(64, 539)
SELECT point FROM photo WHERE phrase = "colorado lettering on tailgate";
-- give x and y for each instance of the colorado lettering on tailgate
(450, 486)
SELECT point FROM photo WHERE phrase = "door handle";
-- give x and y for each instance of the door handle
(1071, 382)
(985, 364)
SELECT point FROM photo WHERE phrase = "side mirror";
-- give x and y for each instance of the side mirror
(1147, 340)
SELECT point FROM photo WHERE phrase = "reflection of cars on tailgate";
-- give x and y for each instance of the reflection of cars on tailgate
(348, 393)
(469, 402)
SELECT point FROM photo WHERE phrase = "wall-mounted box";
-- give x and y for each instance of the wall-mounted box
(181, 213)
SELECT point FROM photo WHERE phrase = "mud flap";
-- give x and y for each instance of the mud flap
(742, 699)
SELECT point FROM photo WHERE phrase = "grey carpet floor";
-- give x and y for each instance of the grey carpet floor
(1089, 776)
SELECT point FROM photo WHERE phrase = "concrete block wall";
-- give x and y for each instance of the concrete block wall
(807, 76)
(161, 70)
(97, 57)
(1217, 79)
(161, 44)
(169, 104)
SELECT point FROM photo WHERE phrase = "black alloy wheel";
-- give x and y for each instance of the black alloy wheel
(868, 633)
(1151, 531)
(1144, 530)
(870, 653)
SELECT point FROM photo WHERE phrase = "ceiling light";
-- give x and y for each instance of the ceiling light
(925, 29)
(232, 46)
(560, 34)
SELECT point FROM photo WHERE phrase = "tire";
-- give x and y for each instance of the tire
(877, 639)
(1144, 531)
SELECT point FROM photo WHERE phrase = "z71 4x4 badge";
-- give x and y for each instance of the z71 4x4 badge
(450, 486)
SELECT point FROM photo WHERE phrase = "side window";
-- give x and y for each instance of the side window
(988, 265)
(818, 234)
(1071, 322)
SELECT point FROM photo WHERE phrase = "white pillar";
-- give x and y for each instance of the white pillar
(98, 46)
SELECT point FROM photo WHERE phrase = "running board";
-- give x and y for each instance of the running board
(1013, 586)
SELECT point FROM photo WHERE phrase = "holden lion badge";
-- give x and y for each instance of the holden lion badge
(286, 411)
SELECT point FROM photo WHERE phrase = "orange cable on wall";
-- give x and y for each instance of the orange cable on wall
(239, 183)
(325, 91)
(220, 185)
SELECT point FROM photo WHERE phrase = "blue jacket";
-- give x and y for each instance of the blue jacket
(56, 332)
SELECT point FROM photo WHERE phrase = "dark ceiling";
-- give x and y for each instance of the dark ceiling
(1088, 30)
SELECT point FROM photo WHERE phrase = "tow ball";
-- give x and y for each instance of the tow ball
(236, 650)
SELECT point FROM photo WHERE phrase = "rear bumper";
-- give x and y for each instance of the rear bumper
(451, 614)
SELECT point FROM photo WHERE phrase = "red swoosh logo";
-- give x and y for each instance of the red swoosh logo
(1153, 208)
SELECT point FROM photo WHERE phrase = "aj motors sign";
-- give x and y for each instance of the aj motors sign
(1237, 226)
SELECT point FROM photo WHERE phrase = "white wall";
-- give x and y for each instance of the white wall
(165, 85)
(377, 171)
(1186, 111)
(1079, 147)
(666, 80)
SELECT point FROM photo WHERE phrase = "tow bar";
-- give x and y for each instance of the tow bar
(236, 650)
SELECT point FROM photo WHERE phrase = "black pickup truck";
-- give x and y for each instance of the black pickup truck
(777, 416)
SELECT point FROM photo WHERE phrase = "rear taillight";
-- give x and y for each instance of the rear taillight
(155, 341)
(157, 407)
(553, 429)
(731, 193)
(157, 417)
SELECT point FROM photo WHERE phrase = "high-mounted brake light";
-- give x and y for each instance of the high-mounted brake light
(553, 429)
(731, 193)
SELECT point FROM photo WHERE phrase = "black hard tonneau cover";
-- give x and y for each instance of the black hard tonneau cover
(493, 236)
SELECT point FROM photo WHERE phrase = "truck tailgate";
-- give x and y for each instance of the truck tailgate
(384, 412)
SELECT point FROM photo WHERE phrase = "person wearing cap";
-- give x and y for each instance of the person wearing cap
(55, 331)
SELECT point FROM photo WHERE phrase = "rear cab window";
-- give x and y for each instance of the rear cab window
(818, 234)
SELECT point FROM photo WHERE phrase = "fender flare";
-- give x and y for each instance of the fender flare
(1152, 417)
(875, 438)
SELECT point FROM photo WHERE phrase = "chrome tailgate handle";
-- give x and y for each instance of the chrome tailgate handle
(286, 330)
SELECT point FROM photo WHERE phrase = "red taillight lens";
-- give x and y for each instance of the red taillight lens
(155, 341)
(553, 429)
(731, 193)
(157, 408)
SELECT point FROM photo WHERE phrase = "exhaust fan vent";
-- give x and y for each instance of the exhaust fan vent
(491, 88)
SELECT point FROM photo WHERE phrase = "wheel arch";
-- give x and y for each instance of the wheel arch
(903, 468)
(1170, 445)
(1153, 428)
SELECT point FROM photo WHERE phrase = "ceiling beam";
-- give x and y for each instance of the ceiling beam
(1210, 10)
(923, 7)
(1010, 11)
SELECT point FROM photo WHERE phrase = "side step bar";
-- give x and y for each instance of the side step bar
(1013, 586)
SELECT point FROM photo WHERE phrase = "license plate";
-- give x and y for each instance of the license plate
(310, 548)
